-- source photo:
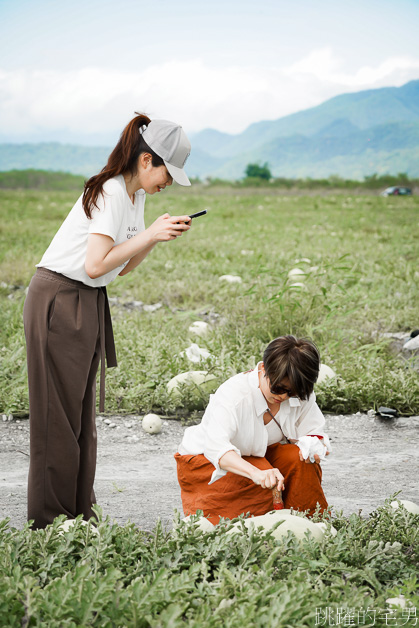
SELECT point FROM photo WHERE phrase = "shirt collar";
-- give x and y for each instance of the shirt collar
(294, 402)
(259, 400)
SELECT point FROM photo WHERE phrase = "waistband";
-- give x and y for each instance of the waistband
(51, 275)
(107, 342)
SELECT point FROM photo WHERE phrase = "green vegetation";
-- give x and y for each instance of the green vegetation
(122, 576)
(258, 172)
(40, 180)
(65, 181)
(359, 253)
(334, 183)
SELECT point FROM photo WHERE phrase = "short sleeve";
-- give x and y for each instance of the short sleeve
(107, 216)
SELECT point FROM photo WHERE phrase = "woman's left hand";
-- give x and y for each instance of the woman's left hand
(316, 458)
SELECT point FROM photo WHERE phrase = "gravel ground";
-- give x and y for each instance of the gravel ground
(136, 473)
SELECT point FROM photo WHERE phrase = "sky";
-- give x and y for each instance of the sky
(77, 71)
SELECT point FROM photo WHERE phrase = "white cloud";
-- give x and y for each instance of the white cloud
(100, 101)
(320, 64)
(323, 65)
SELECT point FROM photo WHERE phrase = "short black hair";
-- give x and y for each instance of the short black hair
(298, 359)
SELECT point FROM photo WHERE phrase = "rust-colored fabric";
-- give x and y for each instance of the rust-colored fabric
(233, 495)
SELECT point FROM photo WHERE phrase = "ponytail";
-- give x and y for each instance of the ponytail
(123, 159)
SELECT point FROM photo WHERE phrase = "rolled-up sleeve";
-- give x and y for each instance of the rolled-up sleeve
(220, 424)
(311, 420)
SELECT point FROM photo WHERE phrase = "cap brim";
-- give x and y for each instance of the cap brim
(178, 174)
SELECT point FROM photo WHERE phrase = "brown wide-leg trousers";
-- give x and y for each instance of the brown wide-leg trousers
(64, 332)
(233, 495)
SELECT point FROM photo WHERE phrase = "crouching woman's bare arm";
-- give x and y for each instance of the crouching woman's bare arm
(266, 478)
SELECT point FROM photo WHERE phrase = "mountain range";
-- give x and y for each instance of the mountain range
(350, 135)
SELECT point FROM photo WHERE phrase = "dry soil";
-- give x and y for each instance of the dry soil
(136, 481)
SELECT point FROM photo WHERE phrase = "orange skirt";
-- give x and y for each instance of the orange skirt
(233, 495)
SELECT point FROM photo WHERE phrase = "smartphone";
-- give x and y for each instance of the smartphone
(202, 213)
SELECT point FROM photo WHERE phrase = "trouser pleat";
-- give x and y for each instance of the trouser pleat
(63, 352)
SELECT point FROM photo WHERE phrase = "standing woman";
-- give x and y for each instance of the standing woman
(66, 314)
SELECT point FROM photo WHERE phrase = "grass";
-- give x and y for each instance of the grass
(40, 179)
(122, 576)
(361, 280)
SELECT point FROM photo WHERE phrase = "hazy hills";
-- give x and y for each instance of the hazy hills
(351, 135)
(85, 160)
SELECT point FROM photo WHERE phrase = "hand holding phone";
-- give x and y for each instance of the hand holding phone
(201, 213)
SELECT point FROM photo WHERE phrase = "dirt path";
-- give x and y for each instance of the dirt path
(136, 473)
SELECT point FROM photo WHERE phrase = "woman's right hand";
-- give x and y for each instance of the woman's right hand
(268, 478)
(168, 227)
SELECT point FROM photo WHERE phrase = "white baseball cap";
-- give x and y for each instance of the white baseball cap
(168, 140)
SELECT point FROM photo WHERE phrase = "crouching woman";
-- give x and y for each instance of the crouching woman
(262, 430)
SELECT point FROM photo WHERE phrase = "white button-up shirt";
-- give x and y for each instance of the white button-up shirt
(233, 420)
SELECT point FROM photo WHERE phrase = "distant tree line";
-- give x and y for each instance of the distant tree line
(256, 176)
(40, 180)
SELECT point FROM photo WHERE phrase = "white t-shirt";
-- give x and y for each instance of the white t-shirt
(116, 217)
(233, 420)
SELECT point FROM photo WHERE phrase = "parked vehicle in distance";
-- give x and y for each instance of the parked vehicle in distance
(396, 190)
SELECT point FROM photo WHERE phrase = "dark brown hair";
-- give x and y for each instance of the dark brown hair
(295, 358)
(123, 159)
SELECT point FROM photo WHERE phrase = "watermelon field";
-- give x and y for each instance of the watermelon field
(356, 288)
(358, 284)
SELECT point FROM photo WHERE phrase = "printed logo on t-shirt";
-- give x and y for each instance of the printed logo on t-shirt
(131, 232)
